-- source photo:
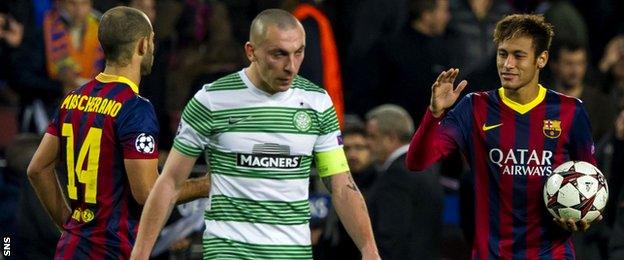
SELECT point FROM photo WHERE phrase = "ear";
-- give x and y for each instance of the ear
(249, 51)
(143, 46)
(542, 59)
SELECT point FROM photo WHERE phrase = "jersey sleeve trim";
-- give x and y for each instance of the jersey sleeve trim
(331, 162)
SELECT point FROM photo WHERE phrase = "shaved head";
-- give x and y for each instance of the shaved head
(271, 17)
(120, 28)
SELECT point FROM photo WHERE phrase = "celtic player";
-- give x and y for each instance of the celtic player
(260, 129)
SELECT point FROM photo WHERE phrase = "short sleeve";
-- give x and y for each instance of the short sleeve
(195, 127)
(137, 129)
(53, 127)
(329, 137)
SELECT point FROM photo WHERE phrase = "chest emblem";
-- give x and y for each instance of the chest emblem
(552, 128)
(302, 121)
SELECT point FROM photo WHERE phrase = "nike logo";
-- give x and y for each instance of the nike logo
(236, 120)
(490, 127)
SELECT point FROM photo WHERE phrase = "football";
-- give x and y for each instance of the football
(576, 190)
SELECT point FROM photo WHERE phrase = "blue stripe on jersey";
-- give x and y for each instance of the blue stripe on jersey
(493, 117)
(99, 118)
(520, 216)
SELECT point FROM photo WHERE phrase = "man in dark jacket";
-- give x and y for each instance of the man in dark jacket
(405, 207)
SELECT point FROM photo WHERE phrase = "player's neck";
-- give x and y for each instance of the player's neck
(524, 94)
(256, 80)
(129, 72)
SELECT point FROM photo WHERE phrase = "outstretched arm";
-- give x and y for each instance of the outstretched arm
(427, 145)
(42, 177)
(161, 200)
(142, 175)
(352, 212)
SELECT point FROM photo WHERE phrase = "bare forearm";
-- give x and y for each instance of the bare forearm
(49, 192)
(194, 188)
(159, 204)
(353, 213)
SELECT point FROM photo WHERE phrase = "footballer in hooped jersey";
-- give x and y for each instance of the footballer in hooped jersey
(513, 137)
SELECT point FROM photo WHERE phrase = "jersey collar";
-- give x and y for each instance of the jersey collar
(107, 78)
(520, 108)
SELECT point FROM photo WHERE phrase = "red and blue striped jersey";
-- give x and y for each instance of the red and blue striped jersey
(99, 125)
(511, 149)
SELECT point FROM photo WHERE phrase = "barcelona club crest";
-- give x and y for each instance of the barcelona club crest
(552, 128)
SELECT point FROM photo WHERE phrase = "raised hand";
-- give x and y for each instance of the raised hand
(443, 93)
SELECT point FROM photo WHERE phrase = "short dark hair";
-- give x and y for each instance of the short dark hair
(418, 7)
(354, 129)
(531, 25)
(120, 28)
(559, 46)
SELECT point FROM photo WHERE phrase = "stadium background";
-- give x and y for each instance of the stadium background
(365, 53)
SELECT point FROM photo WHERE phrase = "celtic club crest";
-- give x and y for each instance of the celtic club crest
(302, 121)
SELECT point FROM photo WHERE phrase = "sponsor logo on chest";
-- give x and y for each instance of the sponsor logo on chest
(268, 161)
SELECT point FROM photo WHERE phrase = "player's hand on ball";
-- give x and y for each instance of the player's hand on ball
(443, 93)
(574, 226)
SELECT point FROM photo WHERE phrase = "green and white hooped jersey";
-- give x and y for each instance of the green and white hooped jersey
(260, 149)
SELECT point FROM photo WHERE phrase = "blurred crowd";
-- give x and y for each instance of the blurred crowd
(376, 58)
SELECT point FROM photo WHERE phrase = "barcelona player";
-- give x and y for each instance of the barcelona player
(104, 138)
(513, 137)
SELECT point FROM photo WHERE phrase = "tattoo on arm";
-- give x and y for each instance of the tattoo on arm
(351, 184)
(328, 183)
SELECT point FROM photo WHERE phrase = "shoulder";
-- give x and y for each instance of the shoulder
(303, 84)
(229, 82)
(565, 100)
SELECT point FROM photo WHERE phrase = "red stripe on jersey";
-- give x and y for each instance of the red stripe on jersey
(482, 208)
(70, 247)
(534, 185)
(567, 109)
(507, 143)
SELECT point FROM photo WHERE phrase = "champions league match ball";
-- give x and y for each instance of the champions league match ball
(576, 190)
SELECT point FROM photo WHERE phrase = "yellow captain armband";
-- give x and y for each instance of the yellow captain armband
(331, 162)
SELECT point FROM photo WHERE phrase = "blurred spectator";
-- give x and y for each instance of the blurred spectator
(405, 207)
(406, 76)
(568, 62)
(207, 50)
(337, 243)
(569, 24)
(51, 62)
(37, 236)
(470, 32)
(616, 194)
(11, 36)
(612, 65)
